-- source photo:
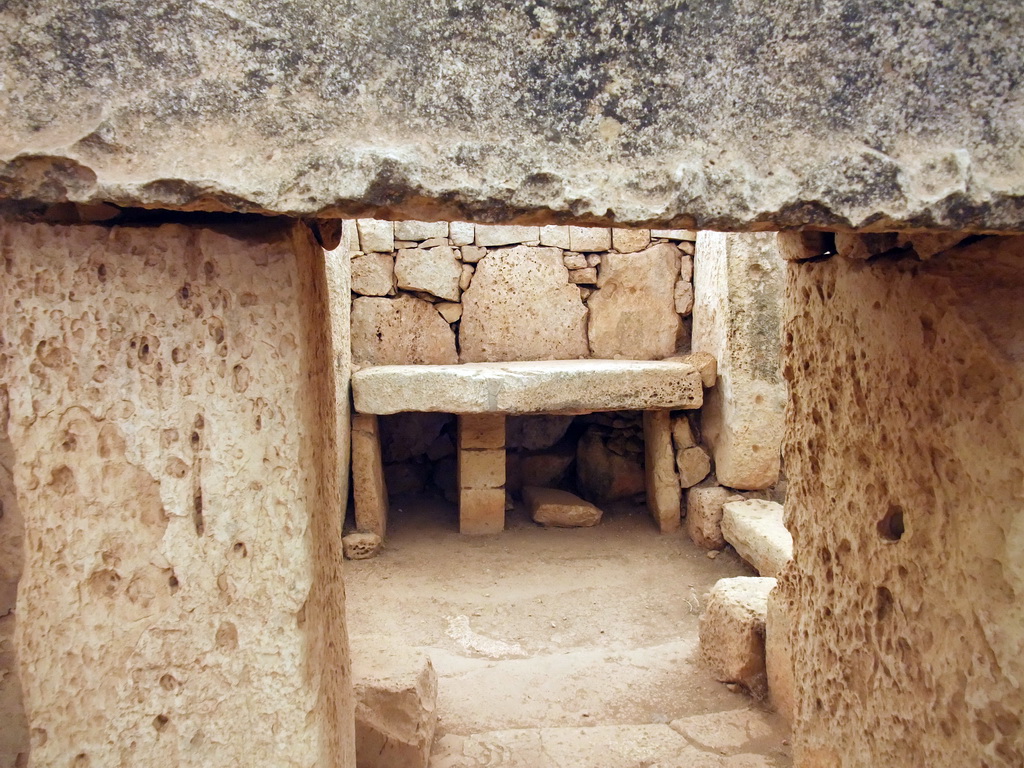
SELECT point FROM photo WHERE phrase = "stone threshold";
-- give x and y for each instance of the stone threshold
(549, 386)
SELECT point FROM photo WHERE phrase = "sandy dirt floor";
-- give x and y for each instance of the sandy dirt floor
(560, 648)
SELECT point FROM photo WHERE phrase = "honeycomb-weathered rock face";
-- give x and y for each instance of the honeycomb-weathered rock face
(171, 417)
(905, 450)
(722, 115)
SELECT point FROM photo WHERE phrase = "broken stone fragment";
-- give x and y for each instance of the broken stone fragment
(376, 236)
(693, 465)
(686, 268)
(505, 234)
(688, 248)
(436, 271)
(472, 253)
(466, 276)
(574, 260)
(396, 705)
(403, 330)
(704, 515)
(593, 259)
(684, 297)
(461, 232)
(630, 240)
(451, 311)
(586, 276)
(435, 242)
(732, 630)
(590, 238)
(373, 274)
(682, 433)
(756, 530)
(420, 230)
(361, 546)
(560, 509)
(555, 236)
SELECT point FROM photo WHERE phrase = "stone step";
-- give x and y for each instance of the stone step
(618, 746)
(550, 386)
(756, 531)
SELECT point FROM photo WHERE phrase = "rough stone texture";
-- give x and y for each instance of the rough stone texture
(434, 270)
(479, 431)
(369, 491)
(337, 268)
(630, 240)
(684, 297)
(664, 498)
(904, 461)
(704, 515)
(705, 363)
(361, 546)
(551, 386)
(14, 735)
(403, 330)
(675, 234)
(778, 654)
(730, 733)
(461, 232)
(693, 465)
(586, 276)
(603, 475)
(522, 307)
(376, 236)
(481, 511)
(590, 238)
(490, 235)
(737, 314)
(560, 509)
(773, 127)
(472, 253)
(373, 274)
(755, 530)
(484, 468)
(732, 631)
(420, 230)
(682, 433)
(451, 311)
(633, 313)
(396, 705)
(555, 236)
(179, 483)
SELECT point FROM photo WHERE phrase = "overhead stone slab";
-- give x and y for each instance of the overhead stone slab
(268, 107)
(521, 306)
(552, 386)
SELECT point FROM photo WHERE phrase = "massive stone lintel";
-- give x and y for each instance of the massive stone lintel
(550, 386)
(172, 427)
(718, 116)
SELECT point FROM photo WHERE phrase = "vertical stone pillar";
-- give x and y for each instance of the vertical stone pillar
(339, 292)
(481, 473)
(369, 491)
(664, 494)
(905, 454)
(738, 285)
(172, 419)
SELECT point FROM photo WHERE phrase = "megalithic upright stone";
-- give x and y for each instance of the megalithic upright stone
(739, 284)
(172, 420)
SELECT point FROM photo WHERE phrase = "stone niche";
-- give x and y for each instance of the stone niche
(905, 361)
(167, 451)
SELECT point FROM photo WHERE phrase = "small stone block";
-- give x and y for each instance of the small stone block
(555, 236)
(376, 235)
(630, 240)
(461, 232)
(482, 469)
(756, 531)
(704, 515)
(481, 510)
(675, 234)
(732, 630)
(368, 487)
(481, 430)
(505, 234)
(420, 230)
(590, 238)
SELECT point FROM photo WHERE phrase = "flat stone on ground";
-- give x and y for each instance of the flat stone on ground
(560, 509)
(361, 546)
(756, 531)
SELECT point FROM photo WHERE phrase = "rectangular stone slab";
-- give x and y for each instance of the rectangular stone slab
(550, 386)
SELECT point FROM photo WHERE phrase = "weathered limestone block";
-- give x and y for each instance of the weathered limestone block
(172, 419)
(436, 271)
(684, 297)
(633, 313)
(586, 276)
(491, 235)
(369, 491)
(461, 232)
(376, 236)
(574, 260)
(481, 510)
(481, 473)
(560, 509)
(756, 531)
(403, 330)
(451, 311)
(521, 306)
(778, 654)
(555, 236)
(361, 545)
(396, 706)
(704, 507)
(732, 631)
(420, 230)
(904, 456)
(590, 238)
(693, 464)
(675, 234)
(466, 276)
(664, 497)
(472, 254)
(630, 240)
(682, 433)
(482, 468)
(481, 431)
(373, 274)
(737, 311)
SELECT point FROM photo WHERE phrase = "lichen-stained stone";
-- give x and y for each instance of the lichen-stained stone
(737, 313)
(403, 330)
(436, 271)
(521, 306)
(904, 452)
(373, 274)
(732, 629)
(633, 313)
(172, 419)
(201, 112)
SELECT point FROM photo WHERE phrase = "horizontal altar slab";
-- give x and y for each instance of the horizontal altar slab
(550, 386)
